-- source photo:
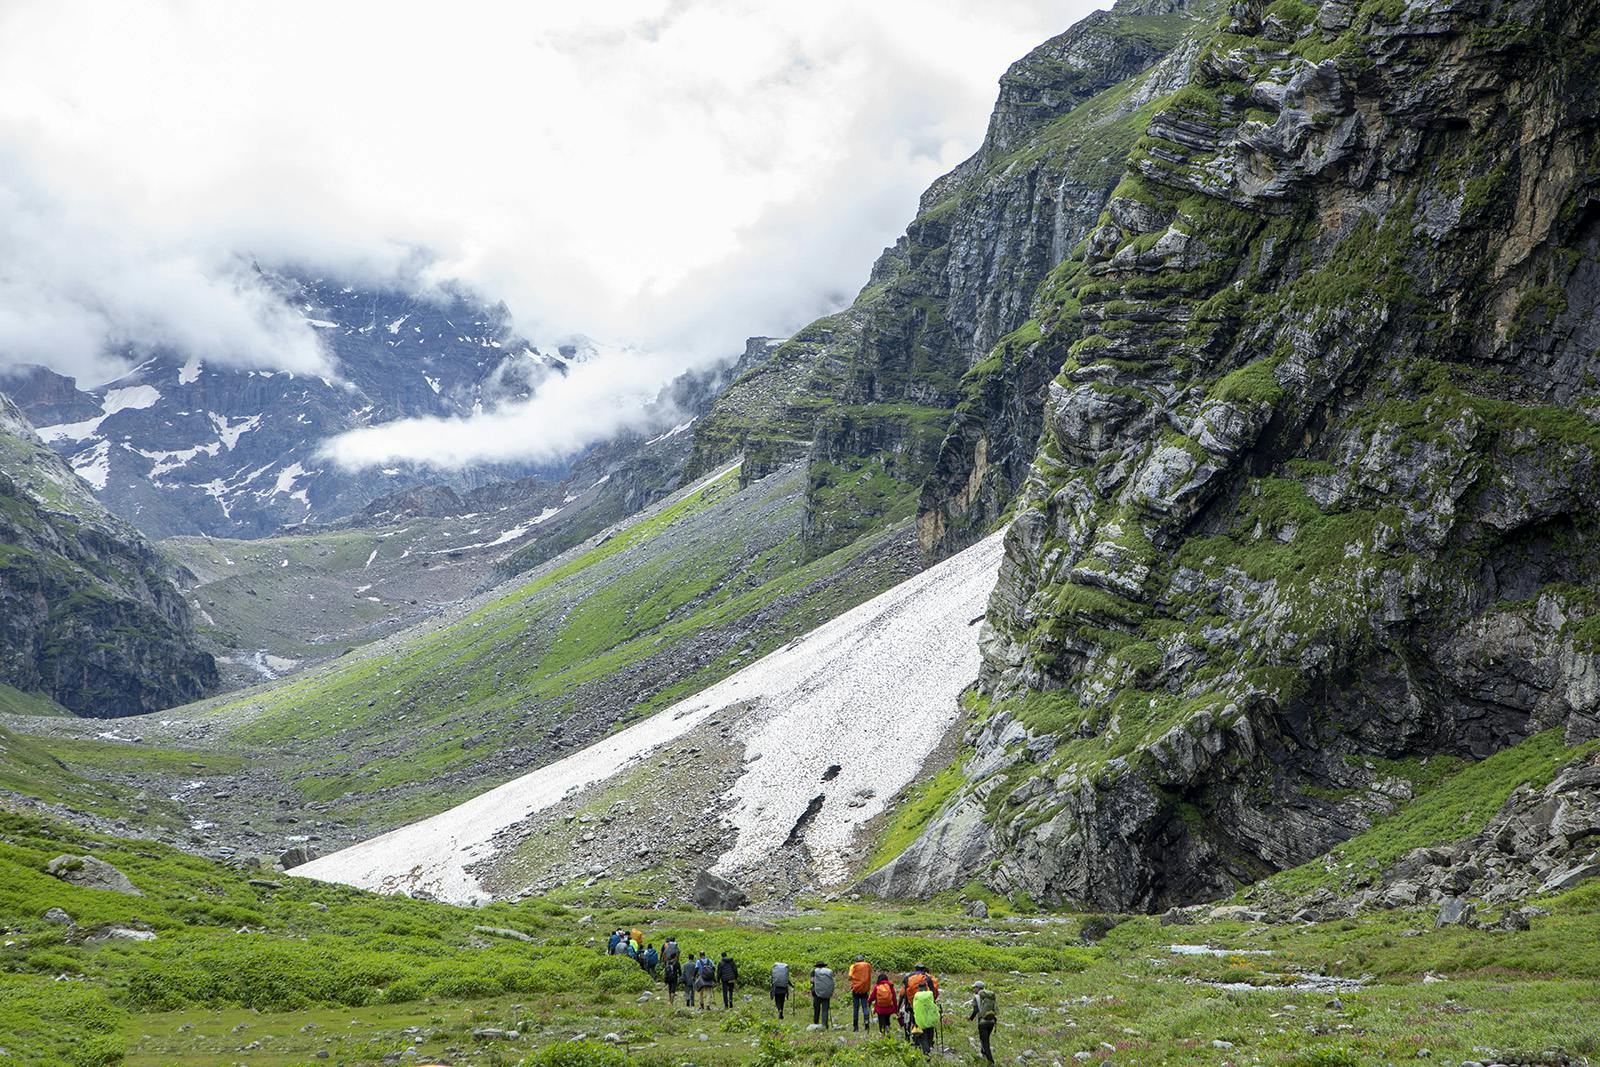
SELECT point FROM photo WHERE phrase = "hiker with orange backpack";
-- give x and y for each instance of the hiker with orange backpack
(860, 988)
(917, 979)
(885, 1001)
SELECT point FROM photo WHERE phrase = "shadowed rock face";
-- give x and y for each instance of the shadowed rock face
(88, 610)
(900, 388)
(1319, 463)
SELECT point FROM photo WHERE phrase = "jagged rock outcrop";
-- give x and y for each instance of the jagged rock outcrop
(89, 613)
(868, 396)
(1540, 841)
(1318, 474)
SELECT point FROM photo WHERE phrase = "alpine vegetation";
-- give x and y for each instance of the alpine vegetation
(1153, 621)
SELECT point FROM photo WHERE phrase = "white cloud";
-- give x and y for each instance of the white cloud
(74, 289)
(665, 175)
(593, 401)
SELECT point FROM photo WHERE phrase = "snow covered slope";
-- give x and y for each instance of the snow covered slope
(832, 726)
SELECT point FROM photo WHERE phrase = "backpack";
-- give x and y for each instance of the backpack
(780, 976)
(885, 998)
(708, 970)
(672, 972)
(924, 1009)
(986, 1004)
(822, 983)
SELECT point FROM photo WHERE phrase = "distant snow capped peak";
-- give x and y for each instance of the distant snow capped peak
(189, 444)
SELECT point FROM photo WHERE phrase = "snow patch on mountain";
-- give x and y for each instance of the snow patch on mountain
(870, 693)
(229, 431)
(94, 466)
(135, 397)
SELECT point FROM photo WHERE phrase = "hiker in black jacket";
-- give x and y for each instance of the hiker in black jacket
(672, 973)
(727, 974)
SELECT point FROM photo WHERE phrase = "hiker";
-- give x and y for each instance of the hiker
(821, 995)
(885, 1001)
(669, 951)
(672, 973)
(727, 974)
(983, 1011)
(780, 985)
(649, 958)
(705, 977)
(860, 987)
(636, 937)
(611, 943)
(633, 947)
(924, 1018)
(918, 978)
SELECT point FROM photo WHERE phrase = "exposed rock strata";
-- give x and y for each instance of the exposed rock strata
(89, 613)
(1318, 474)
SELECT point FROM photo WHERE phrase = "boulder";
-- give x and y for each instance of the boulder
(712, 892)
(1562, 880)
(1454, 912)
(56, 915)
(88, 872)
(976, 909)
(295, 855)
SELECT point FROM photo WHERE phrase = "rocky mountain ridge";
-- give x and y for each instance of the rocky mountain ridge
(908, 386)
(1318, 469)
(89, 613)
(182, 445)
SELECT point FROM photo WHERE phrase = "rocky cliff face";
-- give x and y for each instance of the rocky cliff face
(88, 610)
(868, 396)
(1318, 473)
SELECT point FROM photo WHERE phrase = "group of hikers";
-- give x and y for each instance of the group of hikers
(914, 1005)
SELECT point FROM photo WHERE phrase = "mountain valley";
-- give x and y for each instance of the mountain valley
(1167, 592)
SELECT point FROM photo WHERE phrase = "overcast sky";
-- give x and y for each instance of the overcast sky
(666, 177)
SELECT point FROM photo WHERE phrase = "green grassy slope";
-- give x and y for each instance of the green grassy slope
(16, 702)
(1451, 800)
(659, 608)
(274, 973)
(103, 778)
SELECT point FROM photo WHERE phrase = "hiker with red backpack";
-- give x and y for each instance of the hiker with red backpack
(885, 1001)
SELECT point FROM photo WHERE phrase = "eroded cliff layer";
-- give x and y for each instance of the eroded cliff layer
(1318, 476)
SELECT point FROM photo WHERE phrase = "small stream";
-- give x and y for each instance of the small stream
(1298, 981)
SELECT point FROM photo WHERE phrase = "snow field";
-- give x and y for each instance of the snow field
(872, 691)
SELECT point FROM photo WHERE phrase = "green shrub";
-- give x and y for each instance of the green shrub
(405, 990)
(101, 1050)
(580, 1054)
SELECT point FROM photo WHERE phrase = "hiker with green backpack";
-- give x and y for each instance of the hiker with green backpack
(925, 1019)
(983, 1010)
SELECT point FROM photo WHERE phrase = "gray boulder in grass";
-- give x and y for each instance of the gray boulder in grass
(712, 892)
(87, 872)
